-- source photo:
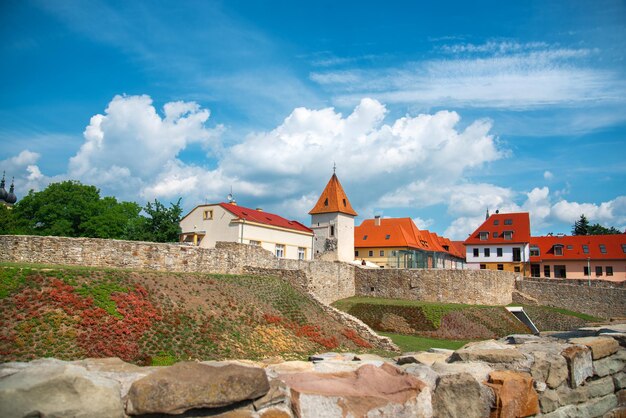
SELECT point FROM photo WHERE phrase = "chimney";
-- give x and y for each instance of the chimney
(377, 220)
(259, 209)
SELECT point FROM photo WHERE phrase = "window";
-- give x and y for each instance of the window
(558, 250)
(517, 254)
(508, 235)
(394, 253)
(344, 202)
(500, 266)
(280, 250)
(585, 271)
(585, 249)
(516, 269)
(570, 247)
(326, 202)
(546, 271)
(609, 270)
(475, 252)
(487, 252)
(483, 266)
(387, 236)
(598, 270)
(364, 237)
(508, 221)
(624, 248)
(332, 230)
(382, 253)
(603, 248)
(356, 253)
(499, 252)
(559, 272)
(255, 243)
(534, 270)
(371, 253)
(301, 253)
(484, 236)
(534, 251)
(208, 214)
(496, 222)
(495, 235)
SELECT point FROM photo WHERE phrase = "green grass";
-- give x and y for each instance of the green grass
(11, 279)
(414, 343)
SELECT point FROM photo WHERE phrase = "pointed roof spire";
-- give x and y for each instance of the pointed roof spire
(333, 199)
(11, 198)
(3, 192)
(487, 215)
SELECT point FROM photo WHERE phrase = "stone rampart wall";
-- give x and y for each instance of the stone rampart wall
(603, 299)
(481, 287)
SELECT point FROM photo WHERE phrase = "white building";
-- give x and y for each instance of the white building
(332, 220)
(207, 224)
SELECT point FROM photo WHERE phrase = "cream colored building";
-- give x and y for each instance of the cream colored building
(207, 224)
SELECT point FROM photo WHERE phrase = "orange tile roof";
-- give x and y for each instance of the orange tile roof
(518, 223)
(614, 245)
(262, 217)
(399, 232)
(333, 199)
(459, 248)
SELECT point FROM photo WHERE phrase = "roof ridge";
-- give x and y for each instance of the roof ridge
(333, 199)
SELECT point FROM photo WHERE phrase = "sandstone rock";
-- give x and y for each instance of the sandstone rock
(610, 365)
(459, 395)
(549, 367)
(523, 339)
(332, 357)
(621, 397)
(619, 380)
(569, 411)
(619, 412)
(59, 390)
(188, 385)
(277, 395)
(480, 371)
(579, 363)
(377, 391)
(491, 351)
(371, 357)
(295, 366)
(591, 389)
(549, 401)
(422, 357)
(441, 351)
(600, 346)
(598, 406)
(423, 373)
(620, 337)
(342, 366)
(515, 395)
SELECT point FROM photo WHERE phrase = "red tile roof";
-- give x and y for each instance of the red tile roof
(459, 248)
(399, 232)
(253, 215)
(615, 247)
(333, 199)
(518, 223)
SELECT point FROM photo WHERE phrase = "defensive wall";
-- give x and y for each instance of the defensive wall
(328, 281)
(596, 297)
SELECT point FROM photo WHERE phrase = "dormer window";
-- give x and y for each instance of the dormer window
(484, 236)
(603, 248)
(558, 249)
(585, 249)
(508, 221)
(364, 237)
(387, 236)
(534, 251)
(326, 202)
(495, 235)
(624, 248)
(508, 235)
(496, 222)
(344, 202)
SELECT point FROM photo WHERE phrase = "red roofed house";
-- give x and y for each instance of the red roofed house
(398, 243)
(574, 257)
(207, 224)
(332, 219)
(502, 242)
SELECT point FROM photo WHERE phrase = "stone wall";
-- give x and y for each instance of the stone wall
(603, 299)
(482, 287)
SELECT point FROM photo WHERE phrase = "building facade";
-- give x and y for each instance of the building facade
(207, 224)
(332, 220)
(502, 242)
(592, 257)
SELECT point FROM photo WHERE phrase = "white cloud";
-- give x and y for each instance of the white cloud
(548, 175)
(422, 223)
(612, 211)
(26, 172)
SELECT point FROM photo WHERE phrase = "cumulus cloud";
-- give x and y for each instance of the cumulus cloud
(26, 172)
(613, 211)
(548, 175)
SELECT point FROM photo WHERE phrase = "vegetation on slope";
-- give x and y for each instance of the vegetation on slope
(433, 320)
(158, 318)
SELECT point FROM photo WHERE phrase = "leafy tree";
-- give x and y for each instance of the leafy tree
(7, 220)
(112, 219)
(581, 226)
(163, 223)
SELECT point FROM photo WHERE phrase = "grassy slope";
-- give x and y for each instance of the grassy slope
(157, 318)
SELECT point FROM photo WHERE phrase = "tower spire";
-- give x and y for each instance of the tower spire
(487, 214)
(334, 167)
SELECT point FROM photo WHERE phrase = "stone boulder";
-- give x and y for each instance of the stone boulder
(579, 364)
(422, 357)
(492, 352)
(368, 391)
(549, 366)
(189, 385)
(460, 395)
(59, 389)
(515, 395)
(600, 346)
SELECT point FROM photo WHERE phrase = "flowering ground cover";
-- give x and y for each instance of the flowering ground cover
(159, 318)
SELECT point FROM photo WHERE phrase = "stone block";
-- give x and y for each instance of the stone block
(480, 371)
(600, 346)
(549, 367)
(422, 357)
(569, 411)
(610, 365)
(459, 395)
(515, 395)
(597, 407)
(579, 363)
(423, 373)
(619, 380)
(549, 401)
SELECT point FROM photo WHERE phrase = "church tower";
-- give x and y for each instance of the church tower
(332, 221)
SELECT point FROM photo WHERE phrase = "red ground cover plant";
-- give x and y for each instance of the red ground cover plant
(99, 334)
(354, 337)
(311, 332)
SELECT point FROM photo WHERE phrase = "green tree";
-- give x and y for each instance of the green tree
(581, 226)
(597, 229)
(161, 225)
(7, 220)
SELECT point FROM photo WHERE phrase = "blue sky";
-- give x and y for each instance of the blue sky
(432, 111)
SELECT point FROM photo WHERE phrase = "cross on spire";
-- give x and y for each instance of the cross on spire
(334, 167)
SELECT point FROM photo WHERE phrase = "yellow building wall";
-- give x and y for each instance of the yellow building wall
(363, 254)
(509, 267)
